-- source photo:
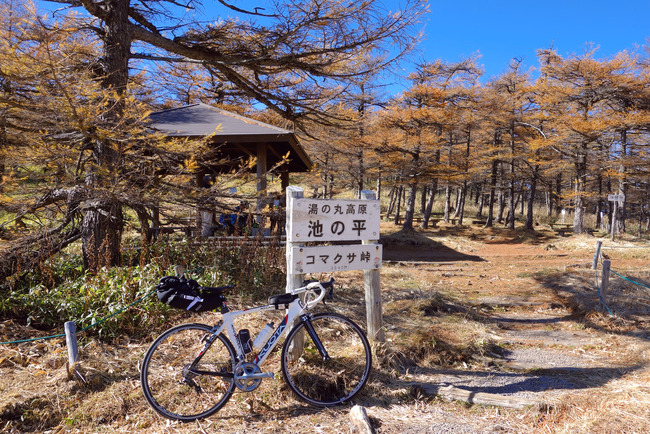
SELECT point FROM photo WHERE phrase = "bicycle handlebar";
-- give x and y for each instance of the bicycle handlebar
(317, 288)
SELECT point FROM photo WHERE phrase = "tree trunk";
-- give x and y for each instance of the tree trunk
(432, 196)
(361, 167)
(398, 205)
(599, 206)
(622, 186)
(101, 231)
(510, 219)
(410, 205)
(392, 201)
(101, 228)
(325, 175)
(579, 191)
(3, 144)
(481, 204)
(379, 185)
(447, 202)
(462, 194)
(531, 198)
(558, 194)
(430, 200)
(501, 199)
(493, 187)
(423, 199)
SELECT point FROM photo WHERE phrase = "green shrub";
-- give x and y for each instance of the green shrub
(59, 290)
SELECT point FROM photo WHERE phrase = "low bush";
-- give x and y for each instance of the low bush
(59, 290)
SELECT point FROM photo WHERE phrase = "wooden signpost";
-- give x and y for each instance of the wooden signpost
(326, 220)
(616, 198)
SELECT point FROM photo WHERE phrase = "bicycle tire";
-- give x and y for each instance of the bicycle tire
(321, 382)
(168, 388)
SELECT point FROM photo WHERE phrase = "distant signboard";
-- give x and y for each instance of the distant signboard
(616, 197)
(333, 220)
(324, 259)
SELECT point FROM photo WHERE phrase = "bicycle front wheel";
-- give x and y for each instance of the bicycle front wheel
(326, 359)
(180, 383)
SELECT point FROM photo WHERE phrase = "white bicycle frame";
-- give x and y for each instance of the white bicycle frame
(296, 308)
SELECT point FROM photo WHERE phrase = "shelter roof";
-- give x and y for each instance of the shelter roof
(237, 136)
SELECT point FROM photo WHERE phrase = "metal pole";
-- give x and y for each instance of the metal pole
(597, 255)
(71, 342)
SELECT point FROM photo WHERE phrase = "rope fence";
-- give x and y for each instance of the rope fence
(606, 270)
(85, 328)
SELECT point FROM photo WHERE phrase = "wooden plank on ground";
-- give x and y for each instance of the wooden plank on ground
(472, 397)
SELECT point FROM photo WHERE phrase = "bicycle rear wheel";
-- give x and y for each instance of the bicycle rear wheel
(176, 388)
(336, 378)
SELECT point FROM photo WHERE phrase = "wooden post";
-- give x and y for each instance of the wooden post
(597, 255)
(284, 178)
(604, 282)
(261, 177)
(294, 280)
(71, 343)
(372, 283)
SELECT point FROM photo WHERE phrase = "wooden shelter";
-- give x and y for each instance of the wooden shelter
(238, 138)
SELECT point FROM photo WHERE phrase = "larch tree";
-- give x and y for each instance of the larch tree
(627, 100)
(511, 118)
(295, 57)
(432, 115)
(577, 95)
(50, 99)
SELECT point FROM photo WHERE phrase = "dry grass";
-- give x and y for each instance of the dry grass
(428, 324)
(621, 406)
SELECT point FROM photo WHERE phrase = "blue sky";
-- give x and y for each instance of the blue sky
(502, 29)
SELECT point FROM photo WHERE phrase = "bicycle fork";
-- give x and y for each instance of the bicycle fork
(314, 337)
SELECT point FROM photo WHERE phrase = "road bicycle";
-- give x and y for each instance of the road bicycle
(191, 370)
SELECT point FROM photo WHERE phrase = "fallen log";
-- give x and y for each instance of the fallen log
(455, 394)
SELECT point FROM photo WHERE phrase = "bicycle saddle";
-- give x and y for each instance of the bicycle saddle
(285, 298)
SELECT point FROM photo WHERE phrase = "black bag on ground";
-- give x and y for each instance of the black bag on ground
(182, 293)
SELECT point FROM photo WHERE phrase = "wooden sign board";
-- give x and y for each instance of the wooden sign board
(333, 220)
(325, 259)
(616, 197)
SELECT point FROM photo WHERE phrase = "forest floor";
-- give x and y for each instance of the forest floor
(477, 321)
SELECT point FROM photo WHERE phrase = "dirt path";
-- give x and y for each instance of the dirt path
(546, 350)
(526, 308)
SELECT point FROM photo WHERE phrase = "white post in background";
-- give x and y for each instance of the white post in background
(614, 217)
(374, 315)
